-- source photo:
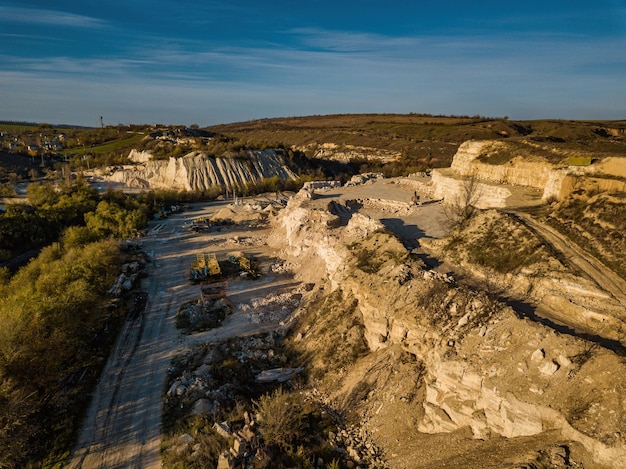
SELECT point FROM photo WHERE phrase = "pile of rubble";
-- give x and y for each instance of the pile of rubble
(356, 448)
(352, 446)
(283, 267)
(270, 308)
(195, 377)
(244, 241)
(360, 179)
(202, 314)
(245, 443)
(126, 280)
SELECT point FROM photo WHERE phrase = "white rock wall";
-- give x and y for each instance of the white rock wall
(556, 181)
(197, 171)
(450, 187)
(458, 393)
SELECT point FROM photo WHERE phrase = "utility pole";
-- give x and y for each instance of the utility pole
(101, 122)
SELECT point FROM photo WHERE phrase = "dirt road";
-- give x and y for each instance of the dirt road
(589, 265)
(123, 424)
(122, 428)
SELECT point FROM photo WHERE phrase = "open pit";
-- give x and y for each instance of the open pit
(400, 352)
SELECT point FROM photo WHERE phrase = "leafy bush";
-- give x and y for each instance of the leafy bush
(281, 418)
(110, 219)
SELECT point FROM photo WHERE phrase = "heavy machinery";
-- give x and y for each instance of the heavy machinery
(205, 266)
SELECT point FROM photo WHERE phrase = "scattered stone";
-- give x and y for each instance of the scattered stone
(564, 361)
(278, 375)
(202, 370)
(464, 321)
(238, 448)
(225, 461)
(222, 429)
(186, 438)
(538, 355)
(202, 407)
(172, 390)
(549, 368)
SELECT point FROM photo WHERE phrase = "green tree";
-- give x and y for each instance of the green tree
(42, 194)
(77, 236)
(110, 219)
(49, 312)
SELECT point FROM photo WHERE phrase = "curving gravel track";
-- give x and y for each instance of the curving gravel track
(606, 279)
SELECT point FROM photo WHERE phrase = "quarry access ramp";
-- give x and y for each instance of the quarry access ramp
(604, 277)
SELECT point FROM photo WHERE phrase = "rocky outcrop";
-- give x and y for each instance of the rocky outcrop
(555, 181)
(197, 171)
(347, 153)
(485, 368)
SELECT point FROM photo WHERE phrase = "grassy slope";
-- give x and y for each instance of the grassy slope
(424, 141)
(432, 138)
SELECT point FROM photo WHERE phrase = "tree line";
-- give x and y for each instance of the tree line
(56, 328)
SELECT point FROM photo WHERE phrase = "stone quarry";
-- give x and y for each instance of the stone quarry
(451, 363)
(196, 171)
(486, 368)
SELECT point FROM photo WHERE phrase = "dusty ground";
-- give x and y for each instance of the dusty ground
(122, 428)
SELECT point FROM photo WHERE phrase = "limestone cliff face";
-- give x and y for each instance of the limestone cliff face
(517, 171)
(197, 171)
(486, 369)
(555, 181)
(346, 153)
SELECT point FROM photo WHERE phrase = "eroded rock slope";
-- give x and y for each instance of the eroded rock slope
(444, 358)
(198, 171)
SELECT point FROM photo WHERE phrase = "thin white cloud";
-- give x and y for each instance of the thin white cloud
(74, 66)
(317, 71)
(48, 17)
(345, 41)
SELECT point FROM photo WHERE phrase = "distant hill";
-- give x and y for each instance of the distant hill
(394, 144)
(426, 139)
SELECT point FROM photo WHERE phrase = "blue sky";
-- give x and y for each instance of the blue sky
(210, 62)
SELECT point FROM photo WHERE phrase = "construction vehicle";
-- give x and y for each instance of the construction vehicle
(246, 268)
(205, 266)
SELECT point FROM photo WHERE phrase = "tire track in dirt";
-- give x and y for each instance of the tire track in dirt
(604, 278)
(122, 427)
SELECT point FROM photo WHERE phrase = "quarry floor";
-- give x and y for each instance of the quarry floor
(122, 427)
